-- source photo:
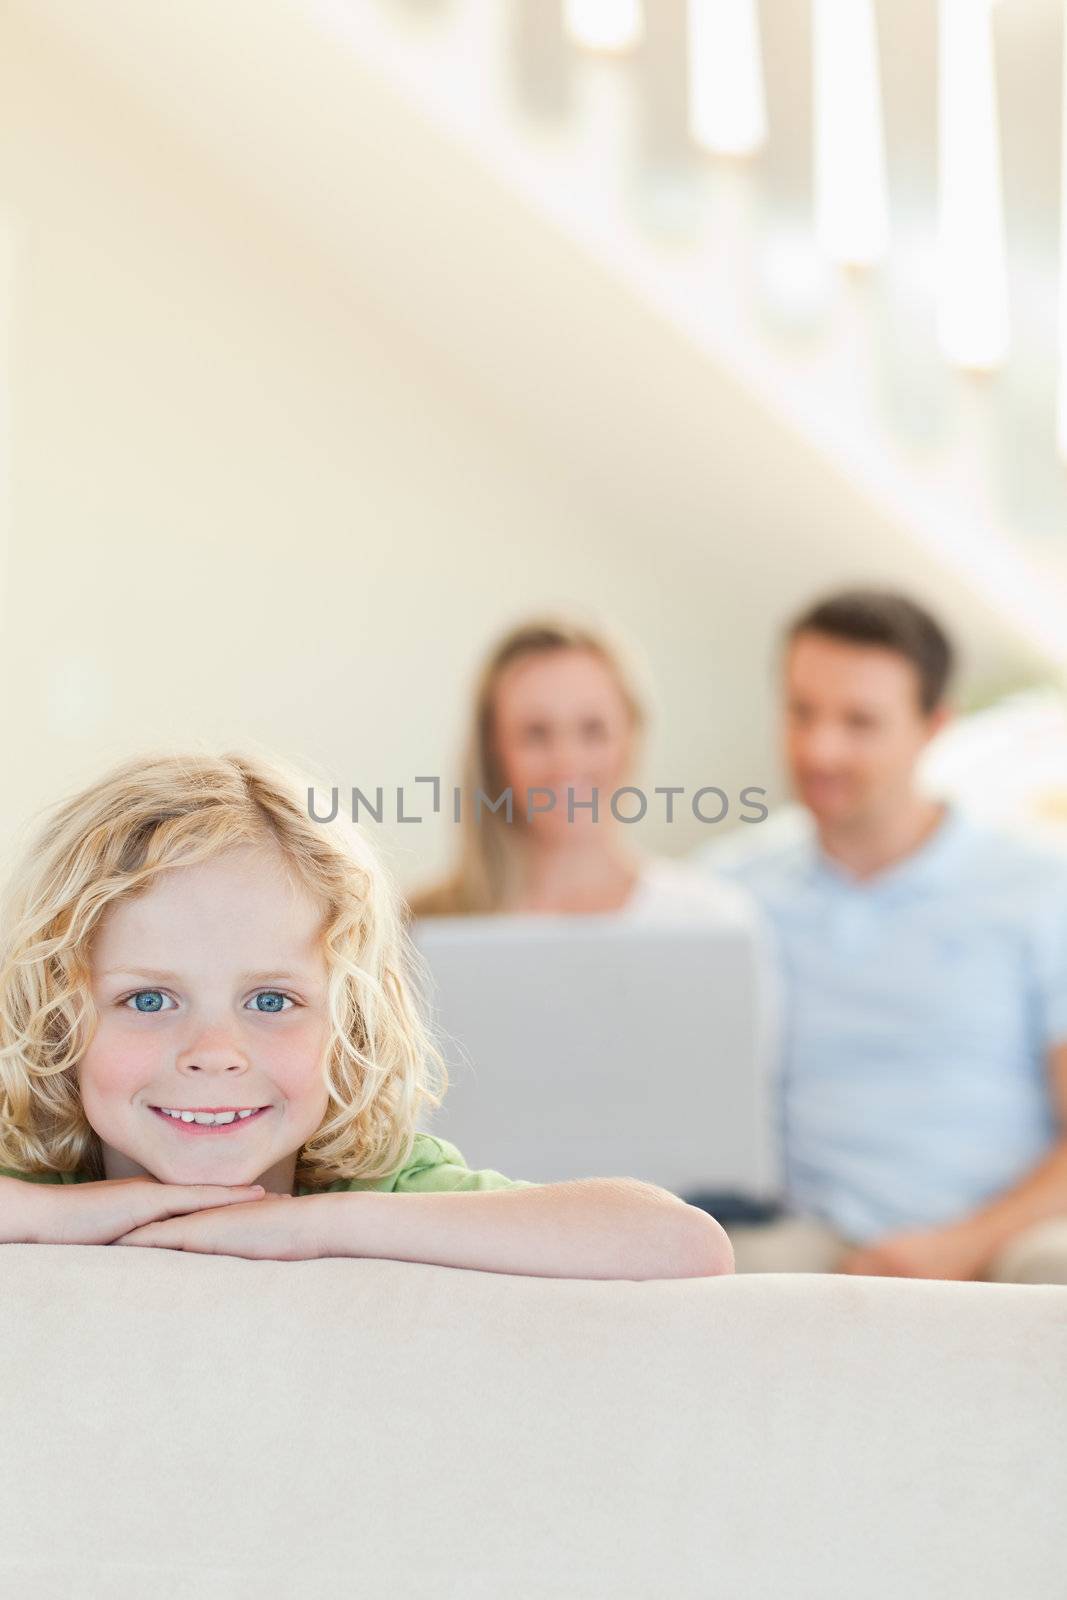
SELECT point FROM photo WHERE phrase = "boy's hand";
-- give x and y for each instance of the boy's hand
(281, 1227)
(104, 1211)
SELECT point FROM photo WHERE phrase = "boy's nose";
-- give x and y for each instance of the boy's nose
(215, 1052)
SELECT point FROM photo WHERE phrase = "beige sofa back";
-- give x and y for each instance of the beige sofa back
(188, 1427)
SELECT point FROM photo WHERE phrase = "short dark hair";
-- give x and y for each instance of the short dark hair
(881, 617)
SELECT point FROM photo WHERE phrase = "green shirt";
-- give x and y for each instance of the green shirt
(434, 1165)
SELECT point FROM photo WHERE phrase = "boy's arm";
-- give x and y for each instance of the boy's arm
(585, 1228)
(43, 1210)
(18, 1214)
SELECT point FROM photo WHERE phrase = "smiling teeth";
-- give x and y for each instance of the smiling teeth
(206, 1117)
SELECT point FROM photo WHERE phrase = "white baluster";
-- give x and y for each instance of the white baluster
(851, 205)
(727, 110)
(7, 384)
(612, 25)
(1061, 392)
(972, 288)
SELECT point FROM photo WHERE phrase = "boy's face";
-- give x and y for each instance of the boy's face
(211, 994)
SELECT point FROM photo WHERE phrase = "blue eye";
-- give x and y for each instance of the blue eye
(276, 1000)
(154, 997)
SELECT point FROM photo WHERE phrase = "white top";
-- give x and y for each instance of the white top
(670, 890)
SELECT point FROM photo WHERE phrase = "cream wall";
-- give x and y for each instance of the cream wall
(248, 502)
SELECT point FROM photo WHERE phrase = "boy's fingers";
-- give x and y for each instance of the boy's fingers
(202, 1196)
(212, 1191)
(160, 1200)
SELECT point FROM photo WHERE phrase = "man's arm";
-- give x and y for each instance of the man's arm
(1043, 1191)
(963, 1249)
(585, 1228)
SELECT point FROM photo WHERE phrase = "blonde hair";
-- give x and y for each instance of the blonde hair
(110, 842)
(487, 855)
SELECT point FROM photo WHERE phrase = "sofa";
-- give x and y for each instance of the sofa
(191, 1427)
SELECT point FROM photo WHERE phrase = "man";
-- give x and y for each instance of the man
(924, 966)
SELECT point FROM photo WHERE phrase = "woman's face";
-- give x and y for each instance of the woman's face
(211, 994)
(560, 722)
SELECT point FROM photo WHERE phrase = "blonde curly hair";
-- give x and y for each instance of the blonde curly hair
(109, 842)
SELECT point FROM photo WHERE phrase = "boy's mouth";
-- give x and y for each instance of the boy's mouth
(209, 1120)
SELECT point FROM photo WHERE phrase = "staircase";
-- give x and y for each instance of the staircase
(724, 251)
(543, 215)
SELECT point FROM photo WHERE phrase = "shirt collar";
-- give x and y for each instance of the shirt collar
(921, 868)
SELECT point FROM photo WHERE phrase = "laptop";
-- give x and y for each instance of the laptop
(596, 1046)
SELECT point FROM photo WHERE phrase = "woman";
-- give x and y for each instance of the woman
(558, 719)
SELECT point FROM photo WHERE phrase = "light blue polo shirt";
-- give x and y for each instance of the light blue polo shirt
(920, 1006)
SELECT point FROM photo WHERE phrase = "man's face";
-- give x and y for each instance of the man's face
(210, 990)
(854, 727)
